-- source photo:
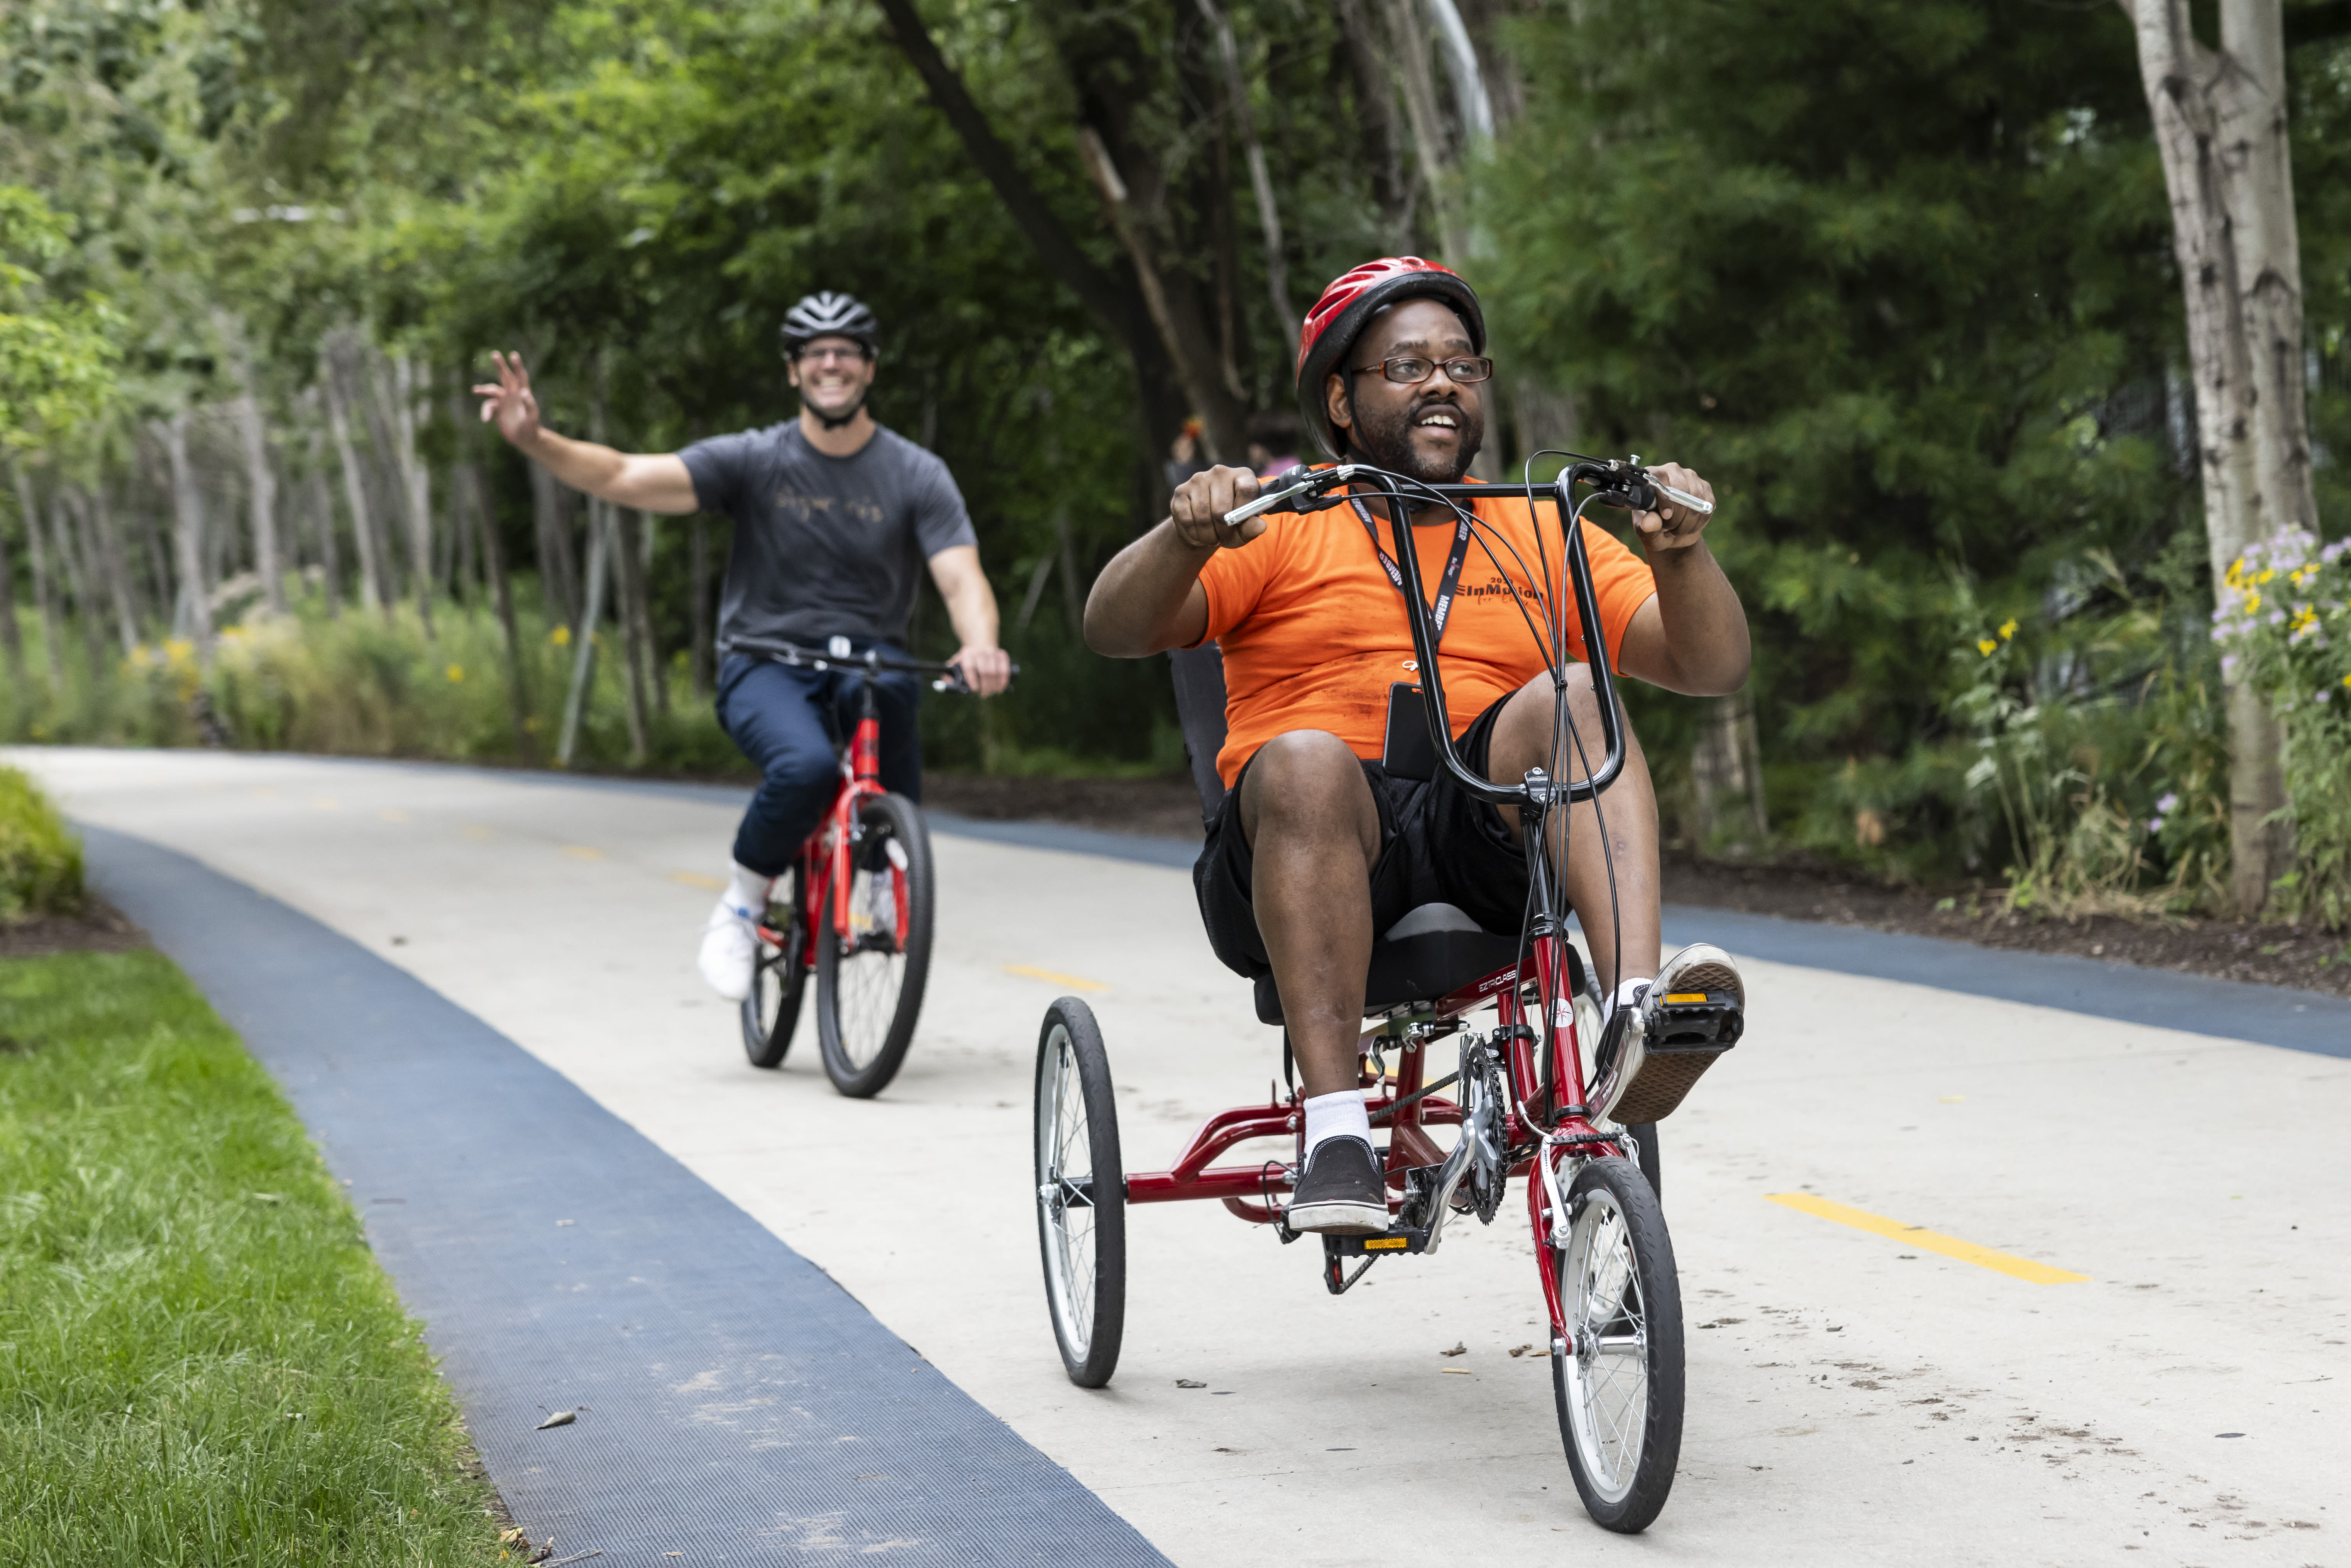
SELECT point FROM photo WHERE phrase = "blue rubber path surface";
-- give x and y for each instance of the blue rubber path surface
(735, 1404)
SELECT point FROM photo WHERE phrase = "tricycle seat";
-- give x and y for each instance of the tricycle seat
(1432, 952)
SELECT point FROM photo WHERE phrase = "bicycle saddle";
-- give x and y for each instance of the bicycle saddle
(1432, 952)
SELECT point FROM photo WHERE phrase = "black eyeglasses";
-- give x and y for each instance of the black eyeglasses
(1411, 370)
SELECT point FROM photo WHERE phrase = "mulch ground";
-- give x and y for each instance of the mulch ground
(99, 928)
(2269, 955)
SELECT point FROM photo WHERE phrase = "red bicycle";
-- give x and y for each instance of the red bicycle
(1518, 1089)
(855, 908)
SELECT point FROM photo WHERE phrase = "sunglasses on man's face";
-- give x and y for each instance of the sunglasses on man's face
(1411, 370)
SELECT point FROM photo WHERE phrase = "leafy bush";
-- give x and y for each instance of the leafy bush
(2284, 617)
(40, 859)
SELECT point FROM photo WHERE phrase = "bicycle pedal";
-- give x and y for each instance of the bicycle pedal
(1690, 1021)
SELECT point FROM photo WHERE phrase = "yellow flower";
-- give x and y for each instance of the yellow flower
(456, 673)
(2346, 680)
(2236, 572)
(2252, 602)
(2266, 575)
(2302, 618)
(2008, 629)
(1987, 647)
(560, 637)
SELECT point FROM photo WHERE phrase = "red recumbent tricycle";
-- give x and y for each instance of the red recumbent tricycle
(1516, 1089)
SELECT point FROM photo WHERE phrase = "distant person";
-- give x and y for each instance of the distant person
(1184, 458)
(835, 517)
(1273, 439)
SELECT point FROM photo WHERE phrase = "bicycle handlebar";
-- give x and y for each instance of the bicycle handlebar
(1615, 483)
(950, 677)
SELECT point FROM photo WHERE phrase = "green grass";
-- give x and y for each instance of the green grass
(40, 860)
(200, 1361)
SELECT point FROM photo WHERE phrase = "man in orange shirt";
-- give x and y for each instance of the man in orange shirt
(1316, 848)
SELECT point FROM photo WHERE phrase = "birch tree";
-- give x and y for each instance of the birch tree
(2220, 123)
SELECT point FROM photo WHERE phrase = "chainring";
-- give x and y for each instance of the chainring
(1489, 1167)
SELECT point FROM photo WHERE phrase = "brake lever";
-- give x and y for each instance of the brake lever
(1312, 485)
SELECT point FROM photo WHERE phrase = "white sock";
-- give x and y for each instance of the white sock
(1629, 993)
(747, 889)
(1340, 1115)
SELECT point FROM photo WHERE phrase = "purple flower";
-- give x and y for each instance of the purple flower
(2164, 806)
(2155, 824)
(2324, 695)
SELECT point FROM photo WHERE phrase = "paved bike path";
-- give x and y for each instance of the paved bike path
(733, 1402)
(1851, 1395)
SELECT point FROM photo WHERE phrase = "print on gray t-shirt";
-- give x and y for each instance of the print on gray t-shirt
(824, 547)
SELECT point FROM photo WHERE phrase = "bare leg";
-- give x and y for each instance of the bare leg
(1313, 831)
(1522, 740)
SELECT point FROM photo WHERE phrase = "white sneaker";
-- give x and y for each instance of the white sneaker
(730, 949)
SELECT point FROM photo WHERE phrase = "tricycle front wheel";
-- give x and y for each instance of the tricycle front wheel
(1081, 1193)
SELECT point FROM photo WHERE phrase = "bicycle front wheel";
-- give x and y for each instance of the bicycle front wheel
(1619, 1386)
(870, 977)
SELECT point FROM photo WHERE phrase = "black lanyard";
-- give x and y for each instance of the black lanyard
(1442, 611)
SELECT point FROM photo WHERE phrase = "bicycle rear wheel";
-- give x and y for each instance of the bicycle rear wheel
(870, 979)
(778, 977)
(1620, 1385)
(1081, 1194)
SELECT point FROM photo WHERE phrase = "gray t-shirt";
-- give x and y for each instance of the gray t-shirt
(824, 547)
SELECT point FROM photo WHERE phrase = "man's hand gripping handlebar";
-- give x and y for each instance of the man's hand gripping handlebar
(1622, 484)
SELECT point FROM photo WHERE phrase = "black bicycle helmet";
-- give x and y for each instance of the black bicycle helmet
(1338, 317)
(829, 315)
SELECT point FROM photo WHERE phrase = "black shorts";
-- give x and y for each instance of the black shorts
(1437, 845)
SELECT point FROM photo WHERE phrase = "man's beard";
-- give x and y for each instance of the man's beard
(835, 421)
(1387, 442)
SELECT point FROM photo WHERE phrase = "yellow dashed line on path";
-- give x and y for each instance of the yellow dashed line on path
(475, 831)
(326, 803)
(1927, 1240)
(1054, 977)
(582, 853)
(695, 879)
(393, 816)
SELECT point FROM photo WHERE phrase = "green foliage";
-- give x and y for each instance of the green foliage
(40, 859)
(57, 361)
(2284, 617)
(199, 1361)
(1894, 274)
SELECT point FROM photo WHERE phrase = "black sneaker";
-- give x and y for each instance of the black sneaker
(1655, 1050)
(1342, 1193)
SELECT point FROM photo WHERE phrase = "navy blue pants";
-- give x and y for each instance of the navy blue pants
(787, 720)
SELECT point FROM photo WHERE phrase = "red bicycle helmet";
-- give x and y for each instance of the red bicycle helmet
(1338, 319)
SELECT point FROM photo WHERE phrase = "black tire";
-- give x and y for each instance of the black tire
(868, 998)
(779, 980)
(1081, 1213)
(1645, 1136)
(1620, 1386)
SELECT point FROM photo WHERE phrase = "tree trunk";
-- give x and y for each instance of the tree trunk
(1469, 100)
(261, 489)
(583, 657)
(192, 617)
(2220, 124)
(648, 637)
(45, 587)
(551, 507)
(1375, 120)
(355, 495)
(115, 565)
(12, 636)
(330, 566)
(1727, 766)
(151, 531)
(701, 611)
(1269, 214)
(415, 483)
(465, 481)
(70, 526)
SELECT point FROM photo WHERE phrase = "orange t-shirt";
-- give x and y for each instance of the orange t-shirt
(1314, 633)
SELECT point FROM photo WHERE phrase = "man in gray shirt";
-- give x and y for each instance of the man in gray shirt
(834, 517)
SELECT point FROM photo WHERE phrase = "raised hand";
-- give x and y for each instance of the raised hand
(508, 401)
(1201, 501)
